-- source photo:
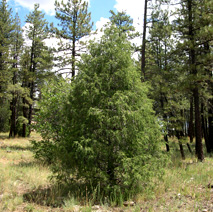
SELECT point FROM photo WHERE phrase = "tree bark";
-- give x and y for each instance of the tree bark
(210, 112)
(191, 124)
(13, 104)
(198, 129)
(13, 130)
(204, 127)
(192, 62)
(189, 148)
(143, 51)
(167, 142)
(73, 45)
(31, 86)
(210, 120)
(180, 145)
(24, 126)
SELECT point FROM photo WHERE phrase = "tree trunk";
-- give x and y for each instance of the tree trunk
(143, 51)
(189, 148)
(24, 126)
(181, 150)
(13, 130)
(73, 46)
(210, 119)
(204, 127)
(192, 62)
(31, 86)
(13, 105)
(167, 142)
(191, 124)
(198, 129)
(73, 59)
(180, 145)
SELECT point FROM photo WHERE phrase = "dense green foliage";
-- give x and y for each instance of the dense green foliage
(6, 32)
(51, 119)
(109, 136)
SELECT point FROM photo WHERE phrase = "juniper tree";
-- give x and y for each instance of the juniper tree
(110, 135)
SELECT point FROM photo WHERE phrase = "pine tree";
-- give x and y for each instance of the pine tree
(15, 87)
(75, 23)
(6, 32)
(40, 55)
(192, 26)
(159, 67)
(204, 37)
(123, 22)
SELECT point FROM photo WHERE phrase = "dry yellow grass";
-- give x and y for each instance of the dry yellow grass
(25, 185)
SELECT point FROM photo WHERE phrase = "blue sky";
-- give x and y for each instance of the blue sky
(99, 9)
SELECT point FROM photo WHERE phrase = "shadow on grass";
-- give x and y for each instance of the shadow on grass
(50, 196)
(56, 195)
(3, 137)
(26, 164)
(16, 148)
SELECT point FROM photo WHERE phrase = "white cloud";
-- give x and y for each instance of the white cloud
(46, 5)
(100, 24)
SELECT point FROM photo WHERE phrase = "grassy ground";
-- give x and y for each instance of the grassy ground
(25, 185)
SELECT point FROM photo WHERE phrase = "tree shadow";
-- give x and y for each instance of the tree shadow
(3, 137)
(26, 164)
(56, 195)
(16, 148)
(50, 196)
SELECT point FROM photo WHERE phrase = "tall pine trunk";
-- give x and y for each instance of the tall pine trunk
(191, 118)
(198, 129)
(13, 108)
(24, 126)
(210, 120)
(73, 56)
(192, 62)
(13, 105)
(180, 144)
(204, 127)
(143, 51)
(31, 86)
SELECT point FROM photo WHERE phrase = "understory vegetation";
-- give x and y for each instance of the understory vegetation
(25, 185)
